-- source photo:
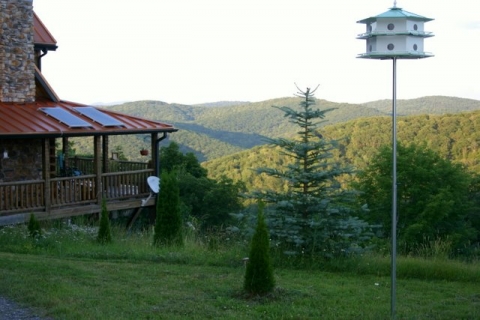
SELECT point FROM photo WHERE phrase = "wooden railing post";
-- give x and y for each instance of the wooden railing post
(66, 151)
(155, 155)
(46, 174)
(97, 156)
(105, 153)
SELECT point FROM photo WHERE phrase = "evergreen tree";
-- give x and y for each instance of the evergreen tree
(168, 224)
(259, 277)
(104, 233)
(34, 229)
(315, 214)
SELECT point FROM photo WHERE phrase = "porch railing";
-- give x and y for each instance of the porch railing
(71, 191)
(85, 165)
(22, 195)
(118, 185)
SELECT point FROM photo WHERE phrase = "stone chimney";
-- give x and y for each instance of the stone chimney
(17, 64)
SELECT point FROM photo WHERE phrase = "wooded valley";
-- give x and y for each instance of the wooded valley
(229, 138)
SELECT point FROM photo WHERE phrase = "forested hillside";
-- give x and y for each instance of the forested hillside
(453, 136)
(216, 130)
(426, 105)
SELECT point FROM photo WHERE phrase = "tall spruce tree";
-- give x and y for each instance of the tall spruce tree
(315, 214)
(168, 223)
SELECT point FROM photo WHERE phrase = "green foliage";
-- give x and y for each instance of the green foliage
(453, 136)
(259, 277)
(172, 158)
(474, 214)
(104, 232)
(209, 201)
(34, 229)
(168, 223)
(120, 153)
(315, 215)
(433, 197)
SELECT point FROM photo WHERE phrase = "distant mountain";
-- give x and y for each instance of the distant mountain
(453, 136)
(426, 105)
(104, 104)
(215, 131)
(222, 104)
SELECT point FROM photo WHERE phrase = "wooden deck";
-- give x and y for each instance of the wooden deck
(74, 195)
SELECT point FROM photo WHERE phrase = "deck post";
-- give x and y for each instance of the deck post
(46, 174)
(97, 159)
(65, 150)
(155, 155)
(105, 143)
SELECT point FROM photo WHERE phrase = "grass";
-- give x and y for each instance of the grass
(67, 275)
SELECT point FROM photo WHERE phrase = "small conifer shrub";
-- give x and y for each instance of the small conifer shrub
(259, 277)
(104, 232)
(168, 223)
(34, 229)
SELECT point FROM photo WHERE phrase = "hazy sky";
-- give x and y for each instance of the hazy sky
(192, 51)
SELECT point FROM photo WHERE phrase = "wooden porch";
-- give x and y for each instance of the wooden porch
(33, 179)
(124, 188)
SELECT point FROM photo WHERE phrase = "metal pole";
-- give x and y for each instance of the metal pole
(394, 189)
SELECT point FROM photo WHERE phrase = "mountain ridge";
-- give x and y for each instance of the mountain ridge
(215, 131)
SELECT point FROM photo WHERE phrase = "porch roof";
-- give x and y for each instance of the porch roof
(49, 116)
(20, 120)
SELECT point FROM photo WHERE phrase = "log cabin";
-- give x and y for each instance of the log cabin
(35, 127)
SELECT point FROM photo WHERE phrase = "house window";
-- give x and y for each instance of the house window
(390, 46)
(415, 27)
(391, 26)
(370, 48)
(369, 28)
(415, 47)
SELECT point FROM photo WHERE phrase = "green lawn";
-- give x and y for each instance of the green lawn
(72, 288)
(129, 279)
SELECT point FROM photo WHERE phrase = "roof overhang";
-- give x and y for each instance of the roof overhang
(395, 13)
(387, 55)
(21, 120)
(42, 38)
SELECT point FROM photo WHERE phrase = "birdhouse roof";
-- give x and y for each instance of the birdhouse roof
(395, 13)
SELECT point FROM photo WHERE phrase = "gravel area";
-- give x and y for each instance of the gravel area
(10, 310)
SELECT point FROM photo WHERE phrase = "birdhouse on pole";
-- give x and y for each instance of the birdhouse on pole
(395, 33)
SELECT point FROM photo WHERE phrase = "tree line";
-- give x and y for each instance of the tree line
(213, 132)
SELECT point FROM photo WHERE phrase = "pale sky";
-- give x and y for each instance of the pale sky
(192, 51)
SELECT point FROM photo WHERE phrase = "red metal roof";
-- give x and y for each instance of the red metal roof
(41, 36)
(27, 120)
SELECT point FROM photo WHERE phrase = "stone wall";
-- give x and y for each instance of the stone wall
(17, 64)
(24, 160)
